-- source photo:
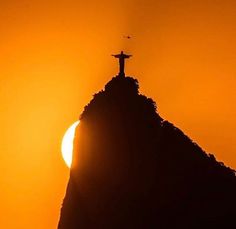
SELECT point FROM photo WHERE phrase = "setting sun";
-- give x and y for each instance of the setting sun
(67, 144)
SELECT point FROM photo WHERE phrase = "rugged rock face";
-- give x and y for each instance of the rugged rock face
(132, 169)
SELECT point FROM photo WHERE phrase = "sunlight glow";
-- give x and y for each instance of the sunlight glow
(67, 144)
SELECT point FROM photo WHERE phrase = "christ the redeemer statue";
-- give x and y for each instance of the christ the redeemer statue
(122, 56)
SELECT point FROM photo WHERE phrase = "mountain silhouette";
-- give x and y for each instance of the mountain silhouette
(132, 169)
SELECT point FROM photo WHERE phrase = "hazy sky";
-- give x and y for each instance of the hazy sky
(56, 54)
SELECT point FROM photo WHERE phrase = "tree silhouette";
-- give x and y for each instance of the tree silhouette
(132, 169)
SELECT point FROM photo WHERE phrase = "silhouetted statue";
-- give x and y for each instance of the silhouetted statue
(122, 56)
(133, 170)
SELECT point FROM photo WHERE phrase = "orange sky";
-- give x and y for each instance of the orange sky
(56, 54)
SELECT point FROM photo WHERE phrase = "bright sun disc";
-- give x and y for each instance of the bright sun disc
(67, 144)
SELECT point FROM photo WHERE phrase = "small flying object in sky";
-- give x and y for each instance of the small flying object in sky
(128, 37)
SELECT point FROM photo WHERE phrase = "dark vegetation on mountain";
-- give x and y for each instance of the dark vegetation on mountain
(132, 169)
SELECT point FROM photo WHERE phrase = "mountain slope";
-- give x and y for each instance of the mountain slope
(132, 169)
